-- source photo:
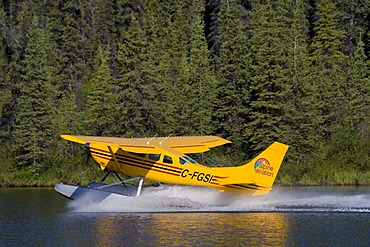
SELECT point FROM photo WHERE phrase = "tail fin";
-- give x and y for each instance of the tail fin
(266, 165)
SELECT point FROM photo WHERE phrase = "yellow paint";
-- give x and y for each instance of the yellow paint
(165, 160)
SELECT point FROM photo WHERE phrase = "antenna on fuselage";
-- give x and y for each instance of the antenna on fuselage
(160, 143)
(148, 142)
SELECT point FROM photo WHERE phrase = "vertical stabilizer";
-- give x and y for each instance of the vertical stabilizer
(266, 165)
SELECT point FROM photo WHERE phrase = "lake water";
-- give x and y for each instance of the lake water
(188, 216)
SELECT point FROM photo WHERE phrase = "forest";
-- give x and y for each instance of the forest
(250, 71)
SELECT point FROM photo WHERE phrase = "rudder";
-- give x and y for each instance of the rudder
(266, 165)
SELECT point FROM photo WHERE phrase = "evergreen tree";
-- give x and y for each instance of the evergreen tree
(32, 130)
(231, 103)
(353, 20)
(358, 92)
(327, 69)
(5, 92)
(196, 84)
(5, 89)
(100, 101)
(300, 131)
(202, 77)
(109, 22)
(212, 23)
(350, 144)
(159, 64)
(71, 28)
(9, 97)
(176, 67)
(67, 118)
(136, 96)
(270, 76)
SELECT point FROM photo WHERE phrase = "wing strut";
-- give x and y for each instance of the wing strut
(114, 157)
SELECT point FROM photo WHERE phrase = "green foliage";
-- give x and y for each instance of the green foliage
(5, 92)
(270, 78)
(138, 96)
(353, 20)
(357, 93)
(233, 86)
(100, 100)
(194, 90)
(33, 119)
(328, 67)
(253, 72)
(201, 81)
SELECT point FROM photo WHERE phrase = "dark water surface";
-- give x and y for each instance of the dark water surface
(183, 216)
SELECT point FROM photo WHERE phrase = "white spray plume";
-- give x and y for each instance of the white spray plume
(200, 199)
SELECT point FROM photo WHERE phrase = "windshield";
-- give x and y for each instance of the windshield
(183, 161)
(189, 159)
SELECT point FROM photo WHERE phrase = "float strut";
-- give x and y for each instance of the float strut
(105, 176)
(140, 186)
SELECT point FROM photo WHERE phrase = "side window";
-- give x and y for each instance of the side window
(138, 154)
(167, 159)
(183, 161)
(154, 157)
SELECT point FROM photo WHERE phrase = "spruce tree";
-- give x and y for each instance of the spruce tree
(161, 66)
(358, 91)
(108, 26)
(11, 81)
(349, 146)
(32, 132)
(176, 66)
(353, 19)
(212, 26)
(270, 76)
(327, 72)
(100, 101)
(196, 83)
(351, 143)
(300, 131)
(5, 92)
(136, 96)
(202, 77)
(72, 45)
(231, 107)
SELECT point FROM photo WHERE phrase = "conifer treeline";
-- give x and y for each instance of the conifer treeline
(251, 71)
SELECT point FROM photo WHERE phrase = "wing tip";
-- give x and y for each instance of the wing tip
(73, 139)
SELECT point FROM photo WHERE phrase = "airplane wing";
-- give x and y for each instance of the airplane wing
(183, 144)
(193, 144)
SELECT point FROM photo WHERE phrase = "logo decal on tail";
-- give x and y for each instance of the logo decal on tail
(263, 167)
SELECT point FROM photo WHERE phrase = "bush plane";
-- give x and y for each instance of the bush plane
(166, 160)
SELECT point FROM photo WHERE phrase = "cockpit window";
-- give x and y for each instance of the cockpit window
(167, 159)
(138, 154)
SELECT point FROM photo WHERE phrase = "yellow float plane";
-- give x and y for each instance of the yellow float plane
(165, 160)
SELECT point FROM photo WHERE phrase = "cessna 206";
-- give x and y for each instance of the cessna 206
(165, 160)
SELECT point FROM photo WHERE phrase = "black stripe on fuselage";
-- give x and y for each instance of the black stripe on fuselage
(244, 186)
(132, 161)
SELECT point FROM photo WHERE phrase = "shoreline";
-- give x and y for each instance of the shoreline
(276, 184)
